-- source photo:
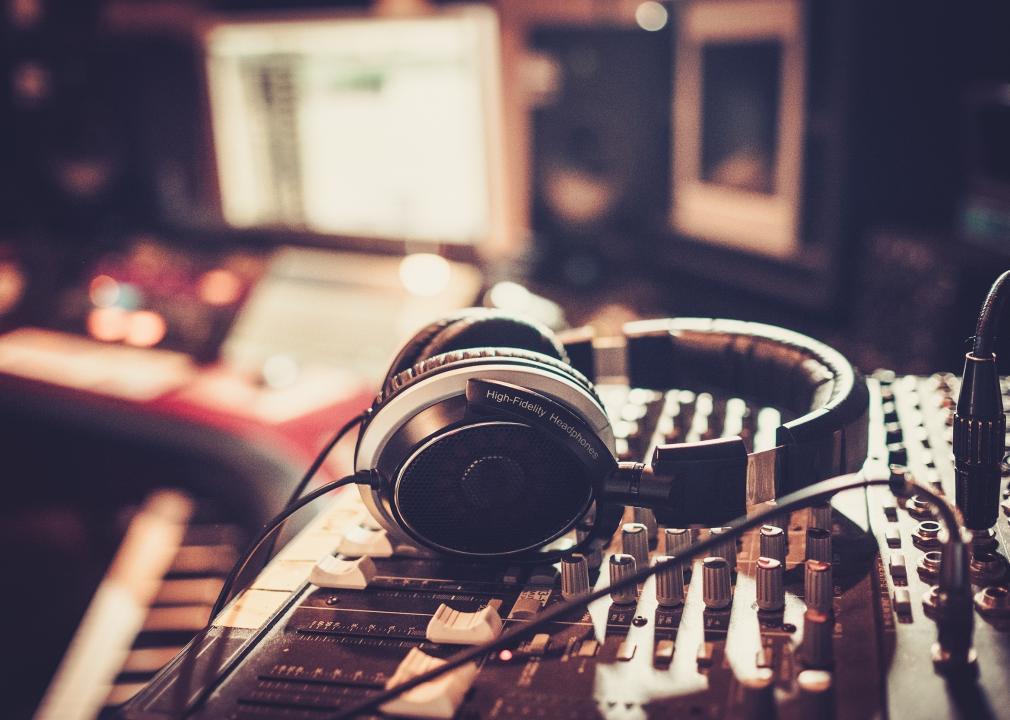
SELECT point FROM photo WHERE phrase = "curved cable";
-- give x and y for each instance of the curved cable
(988, 316)
(802, 498)
(321, 458)
(272, 526)
(311, 473)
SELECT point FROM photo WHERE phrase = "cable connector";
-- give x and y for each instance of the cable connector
(979, 431)
(953, 652)
(371, 477)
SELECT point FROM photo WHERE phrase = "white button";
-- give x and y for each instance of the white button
(892, 536)
(369, 543)
(337, 574)
(438, 698)
(902, 601)
(456, 627)
(626, 650)
(897, 566)
(538, 644)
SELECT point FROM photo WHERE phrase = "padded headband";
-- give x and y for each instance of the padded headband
(475, 328)
(770, 366)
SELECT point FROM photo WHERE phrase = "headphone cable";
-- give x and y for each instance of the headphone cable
(365, 477)
(311, 473)
(985, 328)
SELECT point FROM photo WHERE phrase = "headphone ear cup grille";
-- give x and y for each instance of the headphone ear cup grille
(491, 489)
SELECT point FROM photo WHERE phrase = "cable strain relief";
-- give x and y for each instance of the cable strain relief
(370, 477)
(980, 396)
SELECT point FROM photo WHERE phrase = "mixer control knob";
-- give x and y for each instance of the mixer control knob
(574, 575)
(593, 551)
(621, 566)
(635, 542)
(781, 520)
(438, 698)
(758, 702)
(816, 695)
(360, 541)
(773, 542)
(669, 584)
(726, 549)
(820, 516)
(818, 629)
(456, 627)
(336, 573)
(645, 516)
(717, 589)
(818, 586)
(771, 594)
(819, 545)
(677, 540)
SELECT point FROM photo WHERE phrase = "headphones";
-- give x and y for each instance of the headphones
(490, 441)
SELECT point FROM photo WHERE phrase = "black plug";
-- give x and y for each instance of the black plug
(954, 611)
(979, 430)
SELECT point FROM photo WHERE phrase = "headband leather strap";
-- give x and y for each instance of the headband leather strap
(765, 364)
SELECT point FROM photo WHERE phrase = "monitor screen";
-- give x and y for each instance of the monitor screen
(359, 126)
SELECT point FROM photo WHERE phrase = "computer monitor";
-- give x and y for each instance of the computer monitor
(739, 125)
(360, 126)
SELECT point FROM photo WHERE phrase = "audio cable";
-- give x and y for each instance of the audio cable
(365, 477)
(954, 617)
(992, 307)
(979, 422)
(311, 473)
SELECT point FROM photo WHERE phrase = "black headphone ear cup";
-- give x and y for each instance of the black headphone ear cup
(494, 488)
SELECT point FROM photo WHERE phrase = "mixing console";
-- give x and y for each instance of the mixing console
(825, 613)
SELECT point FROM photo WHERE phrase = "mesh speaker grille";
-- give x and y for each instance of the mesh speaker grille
(492, 489)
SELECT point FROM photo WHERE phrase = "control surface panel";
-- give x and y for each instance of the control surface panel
(825, 612)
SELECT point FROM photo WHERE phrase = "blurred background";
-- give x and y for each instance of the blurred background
(220, 218)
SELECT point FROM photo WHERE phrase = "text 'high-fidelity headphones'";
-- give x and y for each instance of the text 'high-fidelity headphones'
(490, 443)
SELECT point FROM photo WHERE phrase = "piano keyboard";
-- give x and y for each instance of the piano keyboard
(156, 595)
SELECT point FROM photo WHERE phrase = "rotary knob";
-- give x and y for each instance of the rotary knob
(819, 544)
(727, 548)
(773, 542)
(677, 540)
(574, 575)
(645, 516)
(781, 520)
(818, 586)
(817, 640)
(635, 542)
(758, 700)
(669, 584)
(621, 566)
(771, 594)
(717, 588)
(820, 516)
(816, 694)
(592, 551)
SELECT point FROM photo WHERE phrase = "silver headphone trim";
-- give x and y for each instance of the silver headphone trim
(441, 386)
